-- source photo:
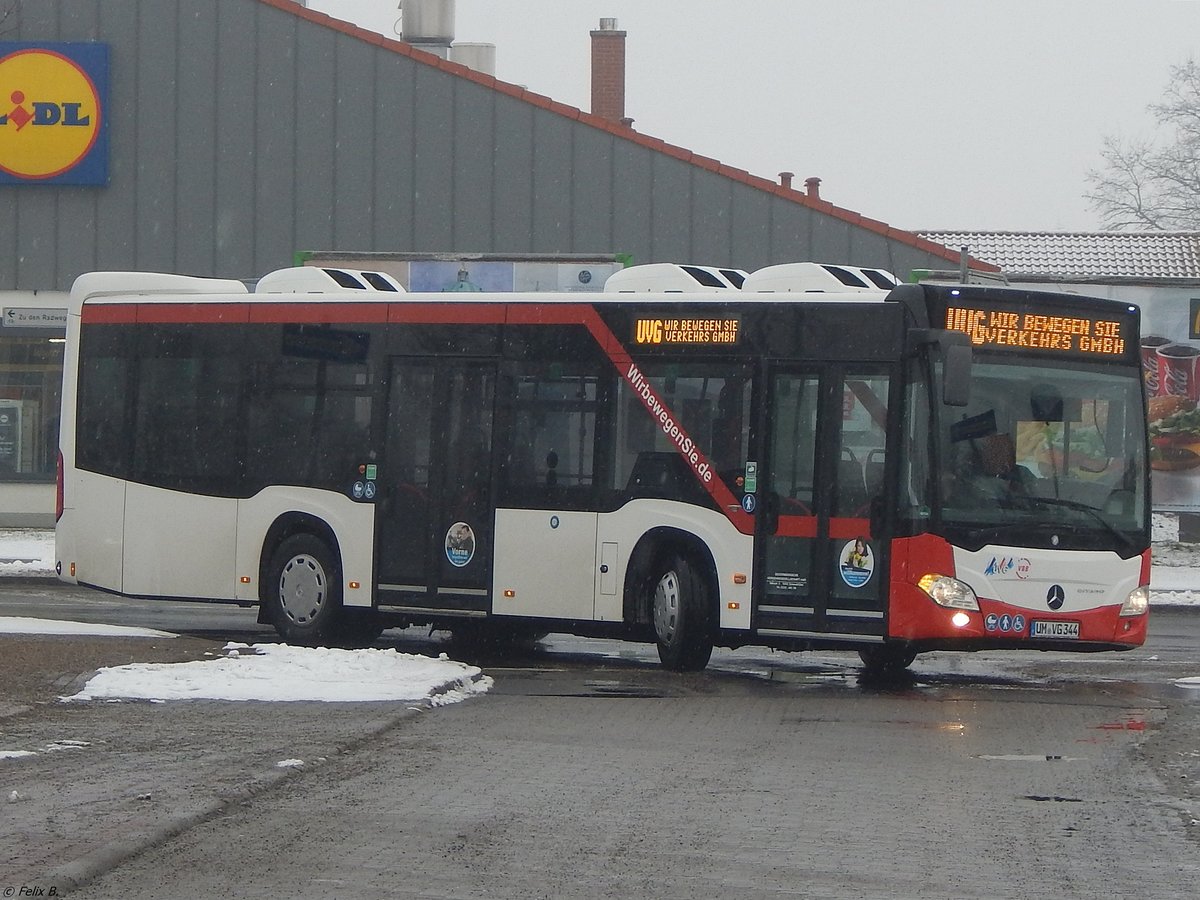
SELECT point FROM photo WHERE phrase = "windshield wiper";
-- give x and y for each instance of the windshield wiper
(1084, 508)
(989, 533)
(985, 534)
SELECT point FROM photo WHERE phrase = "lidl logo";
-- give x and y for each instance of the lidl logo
(53, 115)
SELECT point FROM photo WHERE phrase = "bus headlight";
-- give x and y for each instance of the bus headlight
(949, 592)
(1137, 602)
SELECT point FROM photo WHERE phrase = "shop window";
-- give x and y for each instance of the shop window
(30, 396)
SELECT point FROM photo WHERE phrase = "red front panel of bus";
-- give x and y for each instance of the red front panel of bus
(914, 616)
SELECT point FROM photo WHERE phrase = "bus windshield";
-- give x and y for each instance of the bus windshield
(1044, 455)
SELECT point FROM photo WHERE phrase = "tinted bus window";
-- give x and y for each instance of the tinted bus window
(102, 425)
(552, 440)
(186, 423)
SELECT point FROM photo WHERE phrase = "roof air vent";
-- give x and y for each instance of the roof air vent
(316, 280)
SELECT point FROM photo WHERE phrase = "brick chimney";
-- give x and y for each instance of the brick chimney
(813, 187)
(785, 179)
(608, 71)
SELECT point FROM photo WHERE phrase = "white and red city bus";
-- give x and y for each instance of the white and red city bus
(885, 470)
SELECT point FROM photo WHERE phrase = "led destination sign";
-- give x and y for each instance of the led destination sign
(686, 331)
(1087, 335)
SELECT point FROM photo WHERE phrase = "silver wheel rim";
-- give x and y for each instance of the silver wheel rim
(302, 589)
(666, 607)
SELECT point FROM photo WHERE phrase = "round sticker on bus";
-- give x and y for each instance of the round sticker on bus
(856, 562)
(460, 544)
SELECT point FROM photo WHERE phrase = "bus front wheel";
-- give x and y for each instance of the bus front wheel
(679, 608)
(304, 590)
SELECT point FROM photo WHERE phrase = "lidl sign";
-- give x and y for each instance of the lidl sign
(53, 113)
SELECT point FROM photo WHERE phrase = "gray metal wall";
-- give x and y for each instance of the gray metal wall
(241, 132)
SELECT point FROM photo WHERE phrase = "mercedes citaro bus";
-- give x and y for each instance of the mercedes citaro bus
(890, 469)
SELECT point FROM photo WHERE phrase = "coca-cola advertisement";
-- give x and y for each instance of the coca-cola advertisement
(1171, 369)
(1170, 352)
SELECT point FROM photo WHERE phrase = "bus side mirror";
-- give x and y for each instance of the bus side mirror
(955, 350)
(956, 375)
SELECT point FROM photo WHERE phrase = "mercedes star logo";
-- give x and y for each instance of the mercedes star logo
(1055, 596)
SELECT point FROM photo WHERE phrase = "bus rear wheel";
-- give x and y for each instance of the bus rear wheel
(679, 608)
(304, 594)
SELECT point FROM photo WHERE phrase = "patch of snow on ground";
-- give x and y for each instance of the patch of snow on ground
(27, 625)
(1175, 573)
(276, 672)
(26, 552)
(1164, 528)
(52, 747)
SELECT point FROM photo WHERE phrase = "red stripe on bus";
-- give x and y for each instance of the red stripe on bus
(552, 314)
(107, 314)
(442, 314)
(274, 312)
(797, 526)
(164, 313)
(189, 313)
(849, 528)
(319, 313)
(806, 526)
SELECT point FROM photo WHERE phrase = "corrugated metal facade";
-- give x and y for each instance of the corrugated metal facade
(244, 130)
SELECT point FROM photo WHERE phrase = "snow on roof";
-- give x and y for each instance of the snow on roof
(1087, 254)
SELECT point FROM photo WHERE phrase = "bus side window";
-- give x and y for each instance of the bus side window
(550, 436)
(705, 409)
(863, 435)
(794, 417)
(106, 386)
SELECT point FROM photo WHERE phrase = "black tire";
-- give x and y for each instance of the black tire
(680, 608)
(887, 659)
(304, 591)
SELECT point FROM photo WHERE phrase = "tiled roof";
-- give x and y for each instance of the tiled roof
(1085, 254)
(912, 239)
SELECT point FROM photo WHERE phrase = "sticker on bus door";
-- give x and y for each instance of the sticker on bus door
(460, 544)
(856, 563)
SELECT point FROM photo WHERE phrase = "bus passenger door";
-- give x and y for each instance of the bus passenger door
(435, 503)
(822, 572)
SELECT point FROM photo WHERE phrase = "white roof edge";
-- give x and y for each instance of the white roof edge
(92, 285)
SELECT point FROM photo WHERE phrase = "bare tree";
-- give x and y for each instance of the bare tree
(1155, 184)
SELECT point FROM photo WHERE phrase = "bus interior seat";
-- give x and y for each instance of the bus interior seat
(797, 502)
(873, 469)
(852, 488)
(663, 473)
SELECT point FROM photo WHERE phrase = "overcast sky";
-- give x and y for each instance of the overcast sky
(925, 114)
